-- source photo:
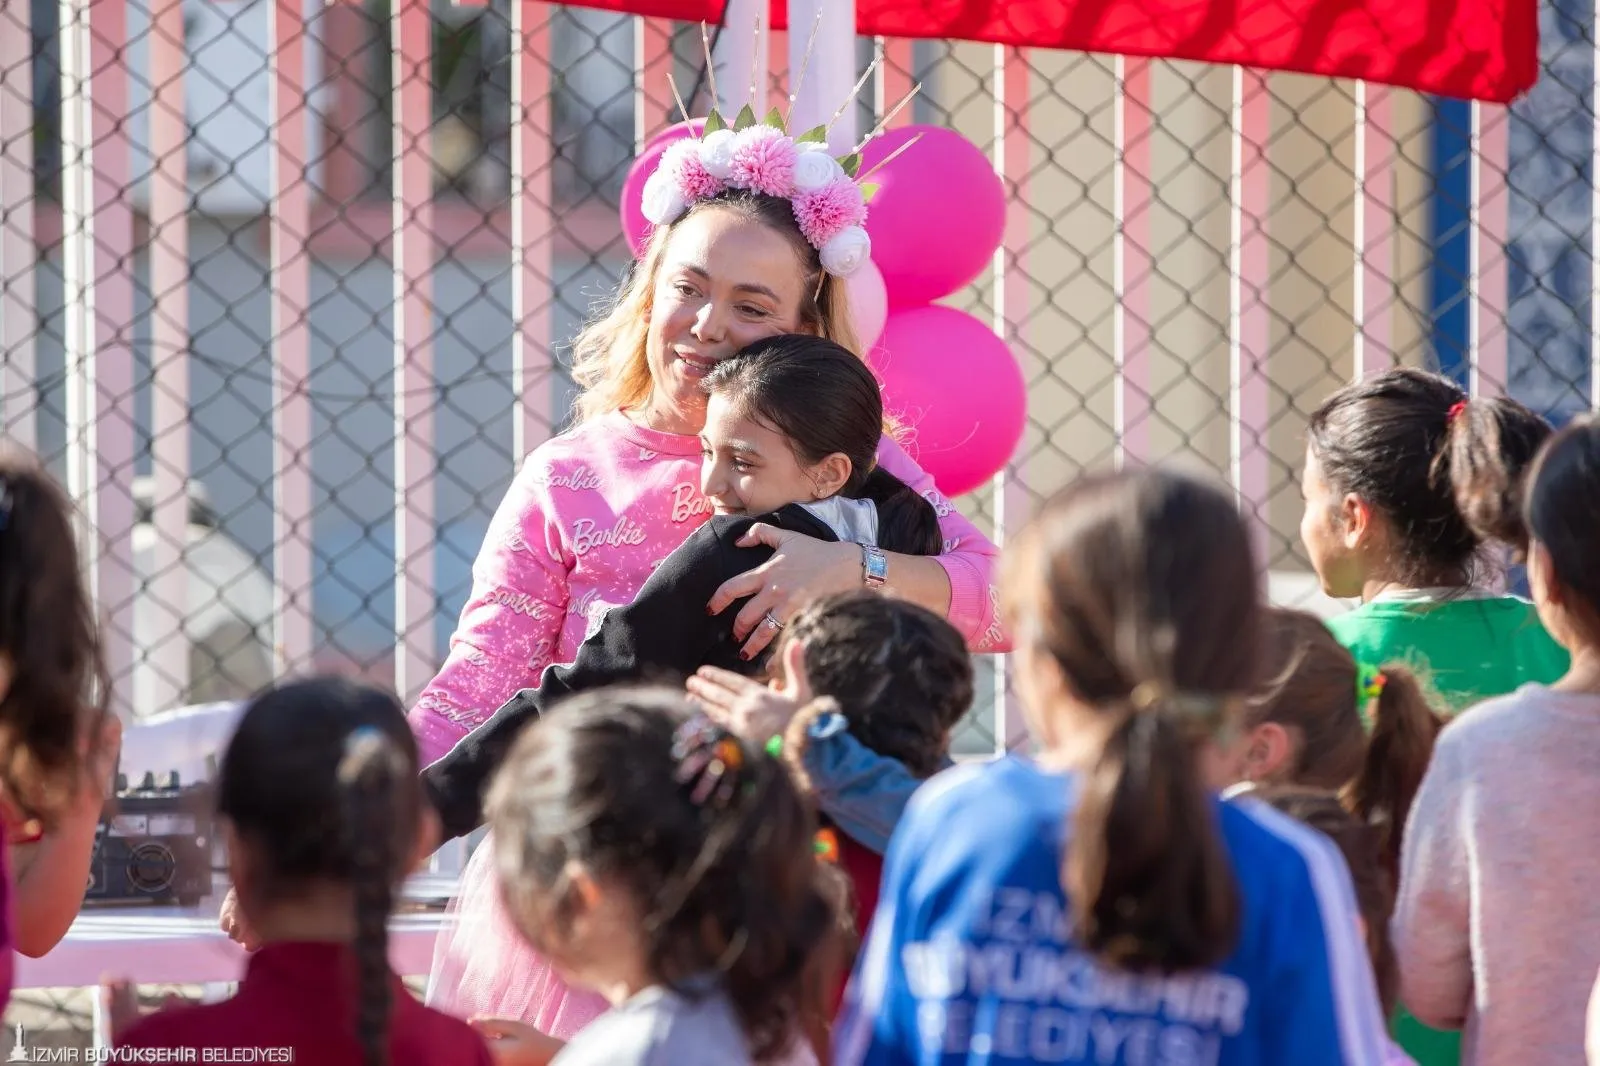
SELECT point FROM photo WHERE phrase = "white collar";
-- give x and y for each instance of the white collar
(1433, 595)
(855, 521)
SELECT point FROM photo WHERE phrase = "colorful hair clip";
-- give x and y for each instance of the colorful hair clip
(1369, 682)
(826, 845)
(1456, 410)
(709, 759)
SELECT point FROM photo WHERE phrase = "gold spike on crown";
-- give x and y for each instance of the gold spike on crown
(829, 195)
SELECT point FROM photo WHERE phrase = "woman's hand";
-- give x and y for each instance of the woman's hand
(748, 708)
(516, 1043)
(801, 569)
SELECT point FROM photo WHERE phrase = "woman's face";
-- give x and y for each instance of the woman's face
(724, 282)
(747, 467)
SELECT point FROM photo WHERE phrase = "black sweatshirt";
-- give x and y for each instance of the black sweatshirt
(665, 634)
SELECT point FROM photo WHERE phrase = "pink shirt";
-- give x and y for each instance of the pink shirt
(590, 514)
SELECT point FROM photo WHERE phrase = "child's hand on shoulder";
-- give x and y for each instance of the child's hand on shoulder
(516, 1043)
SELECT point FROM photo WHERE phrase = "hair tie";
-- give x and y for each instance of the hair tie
(826, 846)
(709, 760)
(1455, 411)
(1369, 682)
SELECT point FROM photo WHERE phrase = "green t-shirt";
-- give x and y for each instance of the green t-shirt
(1467, 649)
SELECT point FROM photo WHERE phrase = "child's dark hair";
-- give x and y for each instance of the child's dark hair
(1445, 469)
(824, 400)
(1316, 692)
(709, 838)
(1563, 513)
(58, 693)
(1373, 881)
(320, 782)
(900, 674)
(1141, 588)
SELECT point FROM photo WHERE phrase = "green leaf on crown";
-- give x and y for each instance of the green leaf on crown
(814, 135)
(746, 119)
(714, 122)
(774, 118)
(868, 191)
(851, 163)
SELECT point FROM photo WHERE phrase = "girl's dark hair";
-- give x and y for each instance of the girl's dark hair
(1563, 510)
(900, 674)
(825, 400)
(1373, 881)
(1316, 693)
(1141, 588)
(320, 781)
(1446, 470)
(53, 710)
(729, 883)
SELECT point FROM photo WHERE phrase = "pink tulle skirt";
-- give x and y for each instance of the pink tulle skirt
(483, 968)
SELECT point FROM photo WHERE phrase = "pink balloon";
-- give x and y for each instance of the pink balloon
(957, 391)
(938, 216)
(869, 303)
(634, 225)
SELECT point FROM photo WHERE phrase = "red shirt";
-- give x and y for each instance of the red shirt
(302, 997)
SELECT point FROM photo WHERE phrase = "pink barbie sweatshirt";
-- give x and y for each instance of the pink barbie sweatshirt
(588, 517)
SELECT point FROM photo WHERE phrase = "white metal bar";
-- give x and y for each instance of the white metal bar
(830, 70)
(1373, 230)
(532, 265)
(1249, 314)
(18, 254)
(742, 56)
(1131, 263)
(167, 592)
(412, 29)
(1486, 279)
(653, 107)
(289, 225)
(97, 252)
(1012, 152)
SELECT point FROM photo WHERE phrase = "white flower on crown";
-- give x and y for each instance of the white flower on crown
(815, 170)
(662, 202)
(845, 253)
(716, 153)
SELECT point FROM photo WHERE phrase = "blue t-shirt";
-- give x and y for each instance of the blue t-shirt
(970, 959)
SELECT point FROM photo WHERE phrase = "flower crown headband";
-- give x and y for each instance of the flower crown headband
(829, 196)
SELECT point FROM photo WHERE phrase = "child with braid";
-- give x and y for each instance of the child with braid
(324, 818)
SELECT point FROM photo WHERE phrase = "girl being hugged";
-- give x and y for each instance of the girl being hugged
(735, 257)
(1136, 909)
(656, 859)
(792, 426)
(1496, 927)
(323, 819)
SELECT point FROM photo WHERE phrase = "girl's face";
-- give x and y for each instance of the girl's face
(1329, 534)
(724, 282)
(747, 467)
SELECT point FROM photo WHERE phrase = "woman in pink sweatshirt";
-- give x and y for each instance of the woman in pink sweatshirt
(595, 509)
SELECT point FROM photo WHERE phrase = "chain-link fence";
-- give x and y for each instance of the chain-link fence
(212, 335)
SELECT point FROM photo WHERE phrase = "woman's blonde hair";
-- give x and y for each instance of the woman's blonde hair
(609, 360)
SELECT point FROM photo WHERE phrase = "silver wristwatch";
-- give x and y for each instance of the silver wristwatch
(874, 567)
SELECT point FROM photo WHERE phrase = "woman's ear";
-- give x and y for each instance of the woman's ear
(1355, 520)
(830, 475)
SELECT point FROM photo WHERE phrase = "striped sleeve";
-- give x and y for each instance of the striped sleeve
(1323, 998)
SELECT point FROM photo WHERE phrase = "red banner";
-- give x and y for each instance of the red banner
(1475, 49)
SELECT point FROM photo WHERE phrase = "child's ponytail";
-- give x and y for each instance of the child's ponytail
(1489, 447)
(907, 523)
(370, 774)
(1151, 887)
(1404, 728)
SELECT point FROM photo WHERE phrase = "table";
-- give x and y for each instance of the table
(183, 945)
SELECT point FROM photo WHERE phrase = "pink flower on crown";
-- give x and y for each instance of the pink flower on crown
(763, 160)
(829, 211)
(682, 161)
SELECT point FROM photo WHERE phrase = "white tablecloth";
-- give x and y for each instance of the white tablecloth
(182, 945)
